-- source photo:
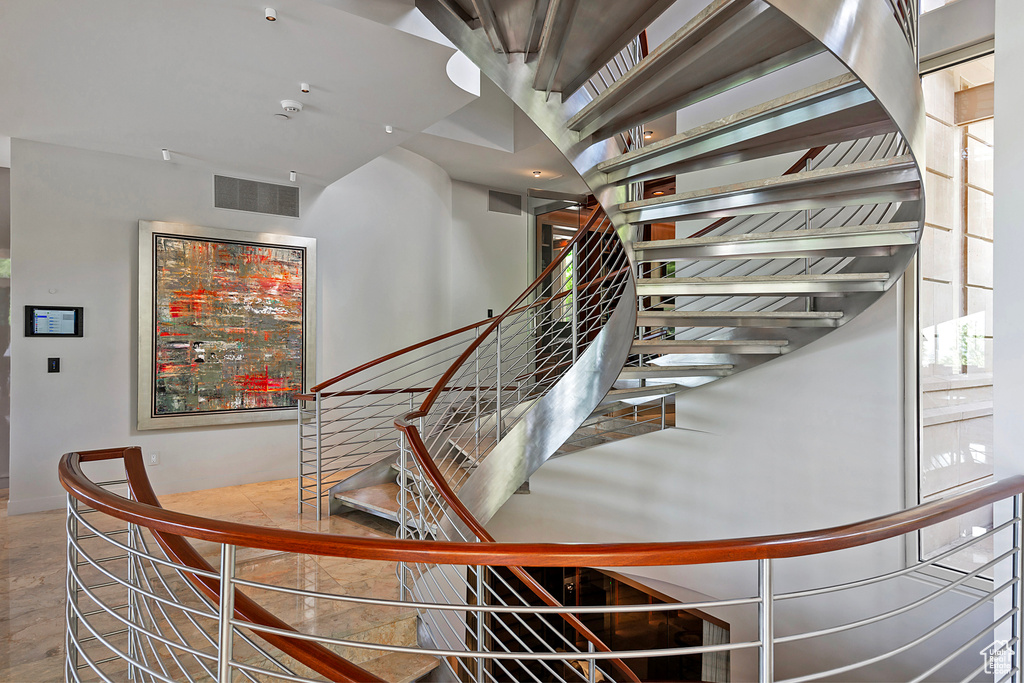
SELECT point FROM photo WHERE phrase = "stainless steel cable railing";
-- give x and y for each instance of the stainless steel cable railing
(136, 612)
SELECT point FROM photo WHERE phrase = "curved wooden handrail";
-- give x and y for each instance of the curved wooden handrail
(313, 655)
(441, 337)
(450, 372)
(498, 554)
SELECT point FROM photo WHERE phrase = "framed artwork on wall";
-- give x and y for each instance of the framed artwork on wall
(226, 325)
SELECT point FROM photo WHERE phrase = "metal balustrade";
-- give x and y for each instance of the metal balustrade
(137, 613)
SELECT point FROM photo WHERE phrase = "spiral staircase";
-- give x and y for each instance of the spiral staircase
(772, 263)
(456, 424)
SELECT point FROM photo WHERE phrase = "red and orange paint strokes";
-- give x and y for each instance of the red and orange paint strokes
(228, 325)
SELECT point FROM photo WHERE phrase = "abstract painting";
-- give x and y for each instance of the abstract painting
(227, 325)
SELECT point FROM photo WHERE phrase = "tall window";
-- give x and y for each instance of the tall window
(955, 323)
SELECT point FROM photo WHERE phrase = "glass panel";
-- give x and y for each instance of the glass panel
(955, 314)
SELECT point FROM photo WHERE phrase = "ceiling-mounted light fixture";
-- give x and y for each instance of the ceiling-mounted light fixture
(658, 193)
(166, 153)
(292, 176)
(271, 14)
(536, 174)
(389, 129)
(291, 106)
(304, 87)
(648, 134)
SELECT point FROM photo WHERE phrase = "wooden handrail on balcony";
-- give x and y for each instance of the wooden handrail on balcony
(496, 554)
(178, 549)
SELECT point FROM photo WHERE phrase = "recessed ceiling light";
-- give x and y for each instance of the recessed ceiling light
(536, 174)
(304, 87)
(389, 129)
(166, 153)
(271, 14)
(648, 134)
(292, 176)
(658, 193)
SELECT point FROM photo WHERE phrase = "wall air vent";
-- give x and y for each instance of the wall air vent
(251, 195)
(504, 202)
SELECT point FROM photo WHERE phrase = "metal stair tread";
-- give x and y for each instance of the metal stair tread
(824, 277)
(695, 62)
(712, 346)
(655, 148)
(781, 315)
(381, 499)
(616, 395)
(573, 51)
(669, 371)
(778, 235)
(834, 110)
(804, 177)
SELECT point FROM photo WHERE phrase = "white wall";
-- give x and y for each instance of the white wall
(489, 255)
(383, 236)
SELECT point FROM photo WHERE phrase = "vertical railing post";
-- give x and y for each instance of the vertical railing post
(134, 613)
(319, 451)
(298, 411)
(766, 623)
(591, 664)
(664, 399)
(575, 302)
(1017, 624)
(71, 637)
(227, 612)
(498, 421)
(808, 302)
(476, 396)
(479, 622)
(403, 531)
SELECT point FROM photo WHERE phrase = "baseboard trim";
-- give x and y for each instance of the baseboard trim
(44, 504)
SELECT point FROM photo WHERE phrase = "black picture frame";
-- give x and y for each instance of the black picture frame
(30, 317)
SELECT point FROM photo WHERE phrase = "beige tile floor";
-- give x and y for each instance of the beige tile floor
(32, 580)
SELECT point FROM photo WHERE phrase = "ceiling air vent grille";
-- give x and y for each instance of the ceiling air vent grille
(251, 195)
(504, 202)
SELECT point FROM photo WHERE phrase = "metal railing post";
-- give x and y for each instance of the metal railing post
(319, 446)
(298, 406)
(227, 613)
(498, 421)
(134, 614)
(476, 397)
(664, 399)
(591, 665)
(807, 261)
(575, 302)
(71, 637)
(1017, 624)
(403, 512)
(479, 622)
(766, 624)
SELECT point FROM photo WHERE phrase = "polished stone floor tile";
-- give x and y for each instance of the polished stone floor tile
(33, 558)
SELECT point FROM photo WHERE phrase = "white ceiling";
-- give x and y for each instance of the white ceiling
(204, 79)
